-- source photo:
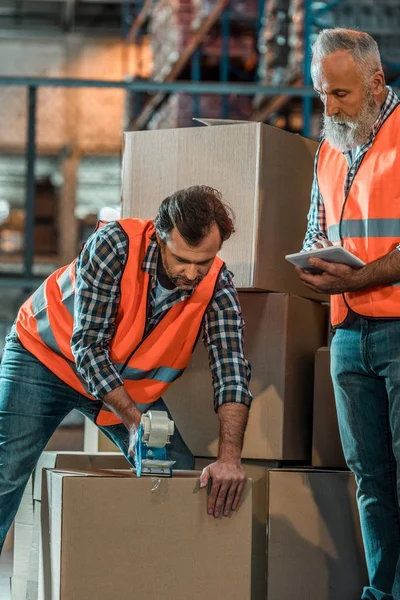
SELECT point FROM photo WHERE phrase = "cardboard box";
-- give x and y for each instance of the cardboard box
(23, 532)
(314, 541)
(263, 172)
(118, 536)
(281, 337)
(314, 548)
(94, 439)
(27, 521)
(326, 445)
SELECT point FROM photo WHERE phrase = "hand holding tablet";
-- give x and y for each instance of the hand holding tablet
(332, 254)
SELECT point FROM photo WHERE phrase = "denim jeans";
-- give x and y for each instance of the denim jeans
(33, 402)
(365, 367)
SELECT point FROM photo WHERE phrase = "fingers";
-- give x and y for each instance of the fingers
(322, 265)
(204, 477)
(230, 498)
(219, 505)
(322, 244)
(212, 497)
(238, 495)
(224, 497)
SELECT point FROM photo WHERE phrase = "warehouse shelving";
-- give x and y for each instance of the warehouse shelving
(296, 96)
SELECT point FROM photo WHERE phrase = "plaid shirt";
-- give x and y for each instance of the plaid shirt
(98, 273)
(316, 230)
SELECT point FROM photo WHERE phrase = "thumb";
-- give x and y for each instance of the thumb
(204, 477)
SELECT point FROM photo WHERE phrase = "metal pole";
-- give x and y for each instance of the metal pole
(260, 24)
(30, 183)
(224, 69)
(196, 76)
(307, 101)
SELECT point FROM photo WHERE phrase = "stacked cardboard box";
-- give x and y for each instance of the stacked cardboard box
(28, 519)
(117, 536)
(265, 174)
(326, 445)
(95, 440)
(23, 539)
(295, 535)
(281, 337)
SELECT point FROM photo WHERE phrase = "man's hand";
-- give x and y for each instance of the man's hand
(122, 404)
(228, 479)
(322, 244)
(227, 475)
(133, 433)
(334, 279)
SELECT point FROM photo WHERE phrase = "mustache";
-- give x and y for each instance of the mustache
(339, 120)
(188, 282)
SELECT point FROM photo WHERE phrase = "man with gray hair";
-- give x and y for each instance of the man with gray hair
(356, 204)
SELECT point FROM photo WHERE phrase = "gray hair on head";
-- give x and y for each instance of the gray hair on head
(362, 47)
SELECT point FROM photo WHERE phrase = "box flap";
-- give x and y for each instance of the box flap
(76, 461)
(210, 122)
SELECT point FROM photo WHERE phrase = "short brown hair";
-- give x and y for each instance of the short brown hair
(193, 211)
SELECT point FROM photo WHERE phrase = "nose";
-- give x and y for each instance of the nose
(331, 107)
(191, 272)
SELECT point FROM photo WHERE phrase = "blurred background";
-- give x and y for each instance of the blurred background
(74, 74)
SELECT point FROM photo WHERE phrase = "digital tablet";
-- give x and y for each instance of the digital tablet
(332, 254)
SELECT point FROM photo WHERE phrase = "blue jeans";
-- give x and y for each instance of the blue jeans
(33, 402)
(365, 367)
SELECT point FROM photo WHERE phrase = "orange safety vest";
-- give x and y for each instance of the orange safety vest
(367, 220)
(148, 363)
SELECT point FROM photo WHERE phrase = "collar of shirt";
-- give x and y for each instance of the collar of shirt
(150, 266)
(387, 107)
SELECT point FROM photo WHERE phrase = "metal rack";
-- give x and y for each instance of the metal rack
(28, 280)
(190, 58)
(157, 91)
(317, 17)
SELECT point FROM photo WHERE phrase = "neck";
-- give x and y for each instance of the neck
(162, 275)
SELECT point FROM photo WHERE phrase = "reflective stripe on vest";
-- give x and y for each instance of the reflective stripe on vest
(148, 364)
(367, 221)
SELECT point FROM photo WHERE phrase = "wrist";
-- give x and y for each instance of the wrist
(359, 279)
(229, 452)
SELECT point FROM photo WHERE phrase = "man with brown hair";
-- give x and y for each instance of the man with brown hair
(110, 332)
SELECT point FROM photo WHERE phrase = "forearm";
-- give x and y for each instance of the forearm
(233, 420)
(384, 271)
(120, 402)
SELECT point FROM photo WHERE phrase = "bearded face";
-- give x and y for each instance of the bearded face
(344, 132)
(351, 98)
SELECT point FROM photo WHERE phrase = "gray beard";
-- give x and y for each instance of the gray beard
(345, 134)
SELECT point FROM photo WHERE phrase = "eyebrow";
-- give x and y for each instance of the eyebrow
(192, 262)
(335, 91)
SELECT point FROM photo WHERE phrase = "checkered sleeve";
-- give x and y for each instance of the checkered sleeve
(316, 229)
(223, 339)
(98, 272)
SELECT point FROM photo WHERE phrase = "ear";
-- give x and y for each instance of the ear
(377, 83)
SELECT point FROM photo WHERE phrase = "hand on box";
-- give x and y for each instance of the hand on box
(227, 480)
